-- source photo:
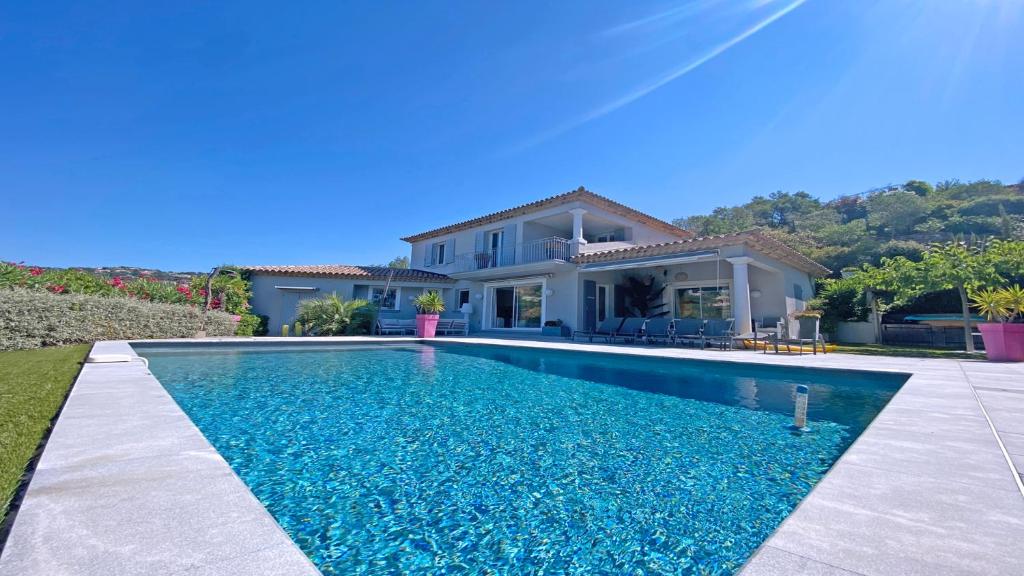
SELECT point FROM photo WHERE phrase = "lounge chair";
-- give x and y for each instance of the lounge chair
(688, 330)
(718, 332)
(808, 332)
(631, 330)
(659, 329)
(605, 330)
(391, 326)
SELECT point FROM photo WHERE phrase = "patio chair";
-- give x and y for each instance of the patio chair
(409, 324)
(459, 327)
(450, 326)
(688, 330)
(605, 330)
(719, 332)
(444, 326)
(630, 331)
(808, 332)
(659, 329)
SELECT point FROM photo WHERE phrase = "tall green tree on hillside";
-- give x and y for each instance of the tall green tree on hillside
(895, 212)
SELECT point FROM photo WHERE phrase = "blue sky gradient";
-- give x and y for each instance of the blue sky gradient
(185, 135)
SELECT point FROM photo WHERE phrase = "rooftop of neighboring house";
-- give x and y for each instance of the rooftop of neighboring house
(352, 272)
(581, 194)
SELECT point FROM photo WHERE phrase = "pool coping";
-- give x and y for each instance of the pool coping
(127, 484)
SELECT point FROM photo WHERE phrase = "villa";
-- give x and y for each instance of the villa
(564, 258)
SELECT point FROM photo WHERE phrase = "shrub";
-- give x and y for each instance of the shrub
(332, 316)
(840, 300)
(33, 318)
(252, 325)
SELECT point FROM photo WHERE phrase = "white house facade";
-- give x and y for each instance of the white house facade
(567, 258)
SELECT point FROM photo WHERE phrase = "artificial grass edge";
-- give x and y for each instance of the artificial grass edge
(34, 384)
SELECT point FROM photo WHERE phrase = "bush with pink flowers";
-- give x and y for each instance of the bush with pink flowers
(35, 318)
(230, 292)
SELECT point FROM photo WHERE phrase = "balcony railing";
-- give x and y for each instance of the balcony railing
(543, 250)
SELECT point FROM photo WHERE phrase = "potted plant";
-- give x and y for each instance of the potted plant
(1003, 334)
(429, 306)
(806, 319)
(554, 328)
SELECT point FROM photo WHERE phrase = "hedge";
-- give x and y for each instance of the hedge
(32, 318)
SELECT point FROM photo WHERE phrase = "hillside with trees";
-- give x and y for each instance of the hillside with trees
(898, 220)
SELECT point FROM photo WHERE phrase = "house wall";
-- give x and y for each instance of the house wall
(520, 229)
(280, 305)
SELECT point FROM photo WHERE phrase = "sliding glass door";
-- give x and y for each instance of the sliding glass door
(703, 302)
(519, 306)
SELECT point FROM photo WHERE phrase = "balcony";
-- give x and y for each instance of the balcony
(535, 251)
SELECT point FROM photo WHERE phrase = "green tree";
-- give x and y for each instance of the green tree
(895, 212)
(959, 265)
(399, 262)
(919, 187)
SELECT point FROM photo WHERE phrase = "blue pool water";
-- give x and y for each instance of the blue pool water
(459, 459)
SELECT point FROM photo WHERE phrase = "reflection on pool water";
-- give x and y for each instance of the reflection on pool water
(475, 459)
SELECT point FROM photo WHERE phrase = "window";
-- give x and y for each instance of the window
(384, 303)
(437, 253)
(609, 237)
(703, 302)
(463, 299)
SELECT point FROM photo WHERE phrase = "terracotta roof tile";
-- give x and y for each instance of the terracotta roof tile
(354, 272)
(751, 238)
(580, 193)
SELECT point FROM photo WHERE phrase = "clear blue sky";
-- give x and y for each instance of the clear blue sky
(180, 135)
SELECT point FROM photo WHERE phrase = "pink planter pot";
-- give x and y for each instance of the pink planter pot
(426, 325)
(1003, 342)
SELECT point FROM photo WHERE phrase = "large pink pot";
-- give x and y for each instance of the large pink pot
(1003, 342)
(426, 325)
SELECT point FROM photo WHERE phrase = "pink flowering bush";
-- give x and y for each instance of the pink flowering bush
(229, 293)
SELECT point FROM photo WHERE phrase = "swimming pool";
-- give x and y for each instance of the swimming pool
(467, 458)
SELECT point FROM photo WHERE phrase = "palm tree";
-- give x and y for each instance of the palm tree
(332, 316)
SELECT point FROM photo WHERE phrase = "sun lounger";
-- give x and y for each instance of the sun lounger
(630, 331)
(659, 329)
(688, 331)
(605, 330)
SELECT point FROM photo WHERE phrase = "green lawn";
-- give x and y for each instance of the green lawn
(910, 351)
(33, 384)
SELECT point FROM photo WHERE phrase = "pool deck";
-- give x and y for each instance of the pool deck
(128, 485)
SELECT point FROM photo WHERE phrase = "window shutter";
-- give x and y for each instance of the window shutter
(478, 246)
(429, 256)
(508, 247)
(449, 251)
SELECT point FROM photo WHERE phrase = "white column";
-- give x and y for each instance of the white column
(741, 293)
(577, 229)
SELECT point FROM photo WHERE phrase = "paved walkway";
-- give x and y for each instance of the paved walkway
(128, 485)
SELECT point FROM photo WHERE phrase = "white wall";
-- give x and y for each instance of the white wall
(464, 241)
(279, 305)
